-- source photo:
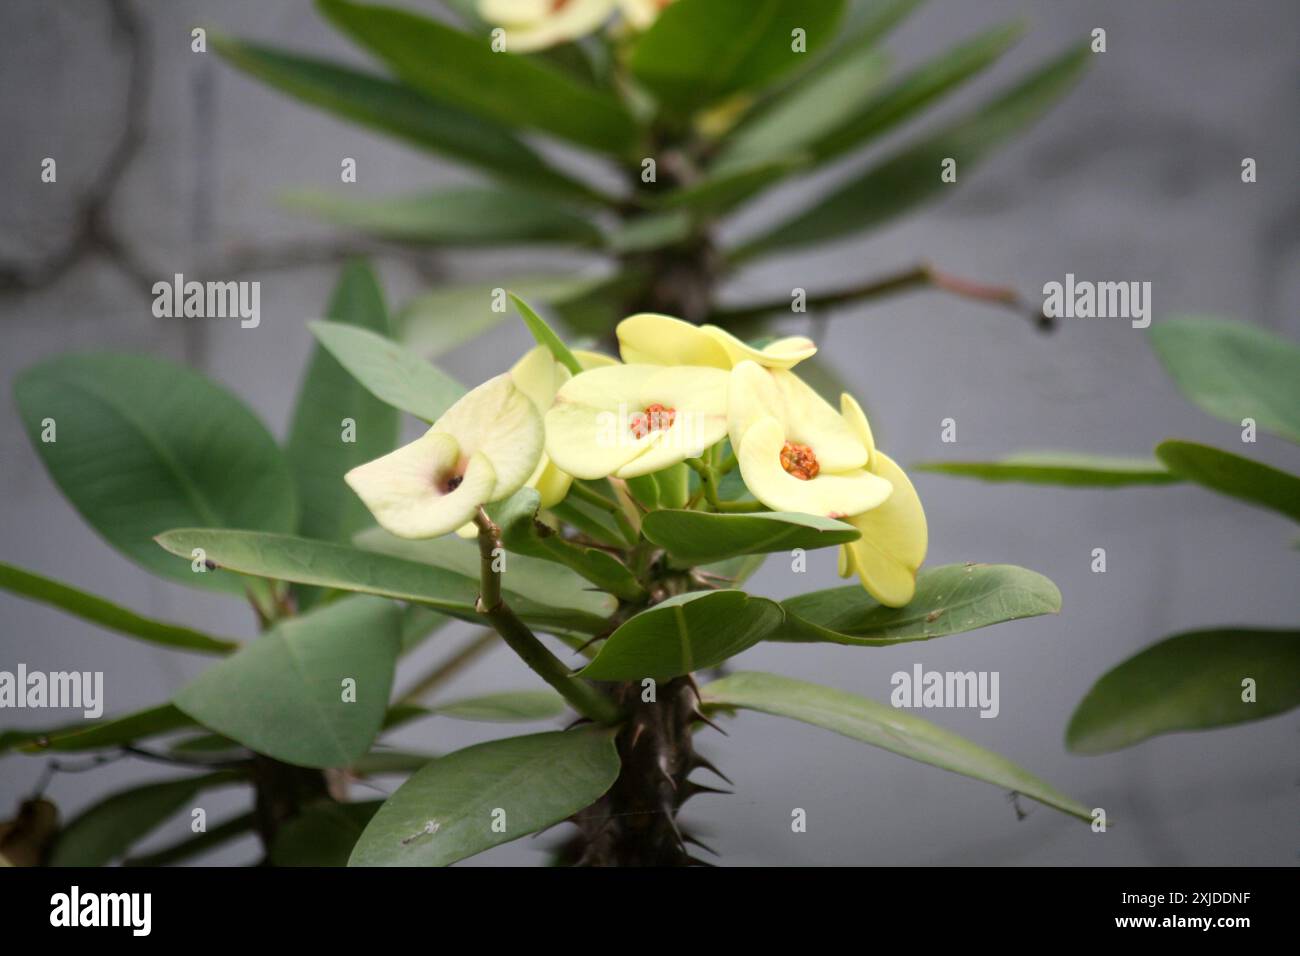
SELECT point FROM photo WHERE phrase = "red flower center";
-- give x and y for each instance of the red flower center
(799, 461)
(655, 418)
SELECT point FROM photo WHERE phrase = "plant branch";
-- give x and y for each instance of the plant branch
(921, 276)
(582, 696)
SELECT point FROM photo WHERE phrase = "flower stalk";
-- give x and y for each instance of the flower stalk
(582, 696)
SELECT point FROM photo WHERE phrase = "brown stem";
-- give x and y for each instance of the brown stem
(921, 276)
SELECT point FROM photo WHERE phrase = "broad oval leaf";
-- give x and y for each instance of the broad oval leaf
(465, 216)
(544, 582)
(399, 110)
(699, 51)
(882, 726)
(286, 694)
(1191, 681)
(949, 600)
(388, 371)
(1059, 468)
(700, 537)
(1233, 371)
(684, 633)
(323, 834)
(463, 70)
(107, 614)
(504, 706)
(322, 563)
(107, 829)
(911, 176)
(445, 812)
(1229, 474)
(143, 445)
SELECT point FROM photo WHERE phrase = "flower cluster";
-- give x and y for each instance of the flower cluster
(537, 24)
(680, 392)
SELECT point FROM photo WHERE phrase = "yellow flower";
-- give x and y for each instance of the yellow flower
(795, 452)
(537, 24)
(481, 450)
(631, 420)
(894, 535)
(651, 339)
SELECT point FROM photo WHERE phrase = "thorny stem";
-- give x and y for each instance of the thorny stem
(583, 697)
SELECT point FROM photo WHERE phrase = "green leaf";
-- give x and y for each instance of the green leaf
(401, 111)
(1229, 474)
(911, 176)
(465, 216)
(545, 335)
(949, 600)
(651, 231)
(107, 830)
(505, 706)
(918, 89)
(1059, 468)
(419, 624)
(445, 812)
(384, 762)
(698, 537)
(88, 607)
(882, 726)
(443, 318)
(323, 834)
(683, 633)
(324, 564)
(202, 842)
(388, 371)
(86, 735)
(1191, 681)
(699, 51)
(522, 533)
(283, 695)
(721, 189)
(327, 396)
(543, 582)
(463, 70)
(804, 115)
(144, 445)
(1234, 371)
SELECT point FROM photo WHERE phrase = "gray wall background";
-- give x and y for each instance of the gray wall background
(1136, 176)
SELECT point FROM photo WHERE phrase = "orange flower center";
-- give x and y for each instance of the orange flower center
(799, 461)
(655, 418)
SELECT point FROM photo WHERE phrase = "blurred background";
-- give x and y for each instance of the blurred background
(1136, 176)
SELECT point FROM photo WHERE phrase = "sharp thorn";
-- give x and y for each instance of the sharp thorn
(687, 838)
(699, 762)
(699, 715)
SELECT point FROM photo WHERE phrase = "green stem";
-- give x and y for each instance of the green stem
(583, 697)
(596, 499)
(709, 482)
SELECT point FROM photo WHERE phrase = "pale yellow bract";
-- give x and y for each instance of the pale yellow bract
(538, 24)
(683, 389)
(481, 450)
